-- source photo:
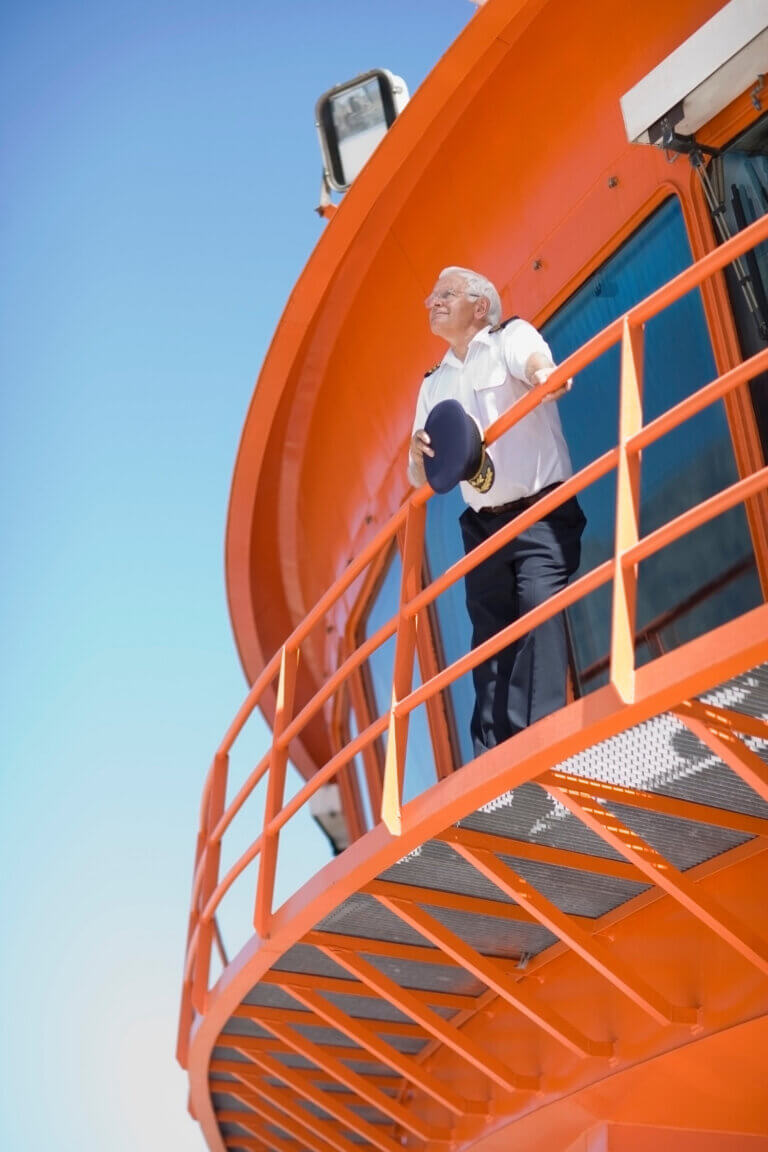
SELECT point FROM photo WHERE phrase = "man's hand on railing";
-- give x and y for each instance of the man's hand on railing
(539, 369)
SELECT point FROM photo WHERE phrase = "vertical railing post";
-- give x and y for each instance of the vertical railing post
(185, 1015)
(278, 762)
(627, 514)
(402, 680)
(210, 878)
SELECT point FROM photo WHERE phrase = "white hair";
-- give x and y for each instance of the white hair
(478, 285)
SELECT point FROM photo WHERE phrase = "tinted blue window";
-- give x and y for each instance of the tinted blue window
(444, 547)
(362, 779)
(420, 762)
(744, 183)
(685, 467)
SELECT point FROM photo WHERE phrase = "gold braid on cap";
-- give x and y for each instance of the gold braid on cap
(486, 473)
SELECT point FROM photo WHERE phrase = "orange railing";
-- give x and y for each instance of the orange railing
(208, 887)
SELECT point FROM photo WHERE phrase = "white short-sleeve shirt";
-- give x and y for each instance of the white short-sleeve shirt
(531, 454)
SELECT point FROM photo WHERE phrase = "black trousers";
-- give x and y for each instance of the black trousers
(526, 680)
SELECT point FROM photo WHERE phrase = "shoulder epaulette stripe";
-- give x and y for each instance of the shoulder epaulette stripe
(503, 323)
(429, 371)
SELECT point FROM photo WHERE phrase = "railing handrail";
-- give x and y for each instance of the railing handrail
(215, 818)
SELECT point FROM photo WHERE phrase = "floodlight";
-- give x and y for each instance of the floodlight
(709, 70)
(352, 119)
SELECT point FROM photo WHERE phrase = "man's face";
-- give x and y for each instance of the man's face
(451, 311)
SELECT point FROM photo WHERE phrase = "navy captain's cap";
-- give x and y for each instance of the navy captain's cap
(459, 449)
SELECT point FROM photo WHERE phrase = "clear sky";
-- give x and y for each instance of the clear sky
(155, 213)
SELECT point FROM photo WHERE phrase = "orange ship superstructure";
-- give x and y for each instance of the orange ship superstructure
(560, 946)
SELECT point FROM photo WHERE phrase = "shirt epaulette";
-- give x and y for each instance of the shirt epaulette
(429, 371)
(503, 323)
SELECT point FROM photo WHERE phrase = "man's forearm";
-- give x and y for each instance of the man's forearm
(537, 362)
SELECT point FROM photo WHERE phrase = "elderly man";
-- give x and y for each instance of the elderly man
(488, 366)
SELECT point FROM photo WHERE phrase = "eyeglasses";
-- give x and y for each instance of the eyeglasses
(446, 294)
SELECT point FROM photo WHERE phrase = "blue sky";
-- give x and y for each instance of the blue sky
(155, 213)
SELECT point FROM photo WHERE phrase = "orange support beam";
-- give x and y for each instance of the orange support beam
(419, 953)
(559, 857)
(391, 1082)
(402, 677)
(280, 1109)
(445, 1094)
(655, 802)
(441, 1029)
(360, 1086)
(372, 1133)
(286, 686)
(724, 718)
(457, 901)
(492, 974)
(251, 1144)
(209, 864)
(627, 512)
(261, 1136)
(290, 980)
(596, 953)
(665, 875)
(250, 1044)
(732, 751)
(307, 1019)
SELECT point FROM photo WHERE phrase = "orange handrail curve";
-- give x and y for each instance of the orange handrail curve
(353, 661)
(551, 607)
(689, 278)
(570, 487)
(329, 770)
(224, 885)
(408, 609)
(245, 791)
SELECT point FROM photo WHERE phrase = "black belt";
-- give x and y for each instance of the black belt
(519, 505)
